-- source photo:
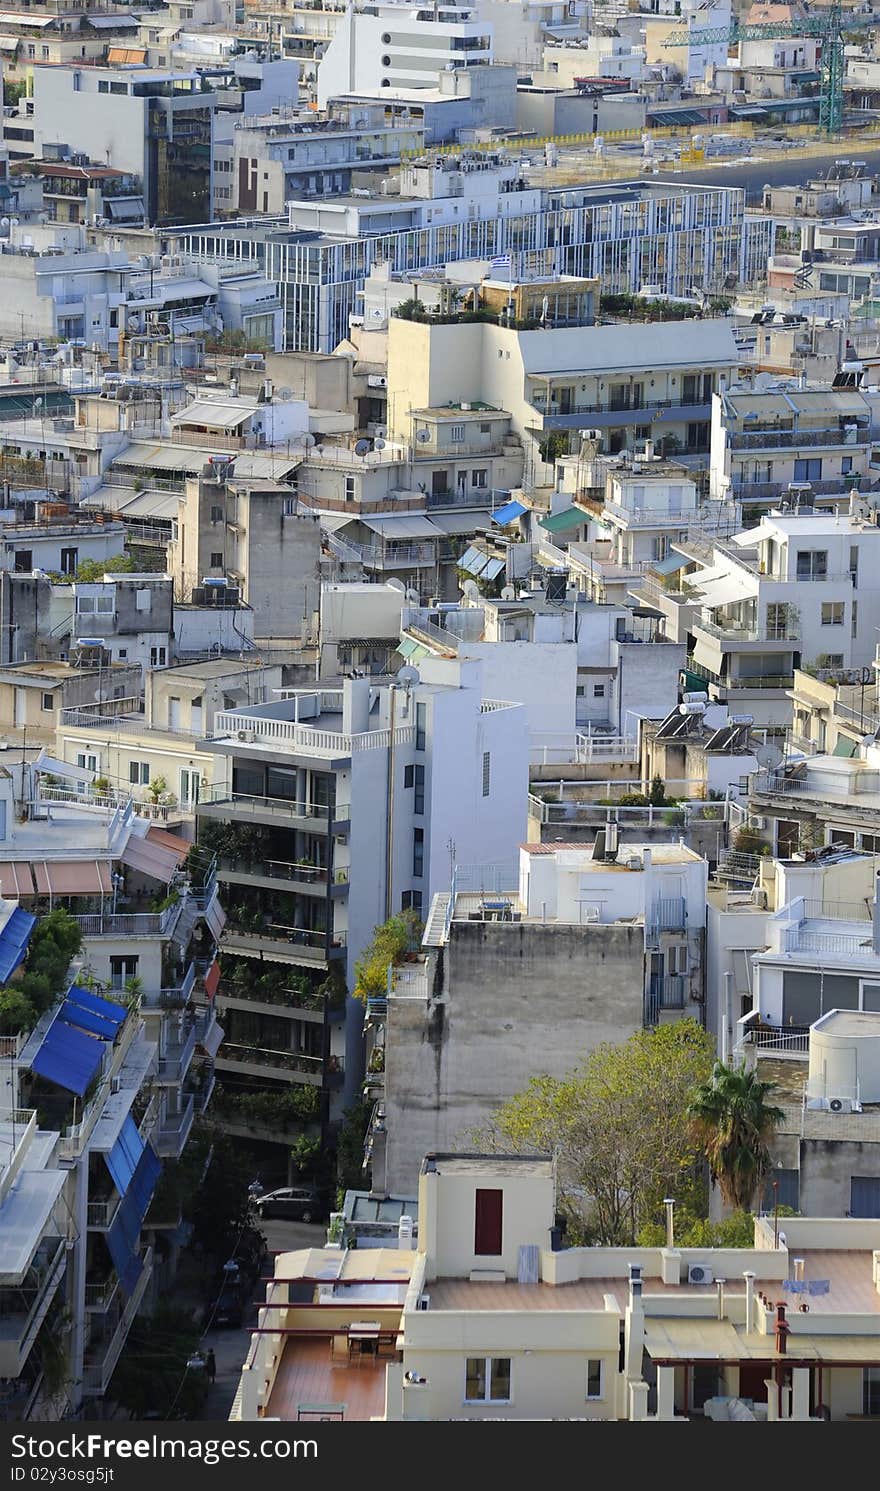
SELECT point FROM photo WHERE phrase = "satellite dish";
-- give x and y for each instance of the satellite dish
(508, 593)
(471, 589)
(769, 755)
(285, 393)
(308, 441)
(423, 435)
(379, 444)
(408, 675)
(412, 596)
(376, 313)
(396, 584)
(361, 447)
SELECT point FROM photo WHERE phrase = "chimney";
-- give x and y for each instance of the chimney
(405, 1232)
(782, 1329)
(875, 916)
(669, 1203)
(646, 858)
(719, 1284)
(750, 1300)
(634, 1326)
(611, 839)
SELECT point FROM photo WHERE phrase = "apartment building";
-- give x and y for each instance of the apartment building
(109, 1079)
(762, 444)
(626, 234)
(794, 591)
(255, 536)
(31, 694)
(505, 941)
(342, 807)
(399, 46)
(821, 800)
(485, 1319)
(833, 712)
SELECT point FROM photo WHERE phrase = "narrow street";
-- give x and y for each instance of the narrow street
(230, 1345)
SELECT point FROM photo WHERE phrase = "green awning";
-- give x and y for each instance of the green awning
(409, 648)
(570, 517)
(669, 118)
(844, 747)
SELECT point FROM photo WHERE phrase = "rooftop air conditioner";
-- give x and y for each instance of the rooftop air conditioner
(245, 735)
(843, 1105)
(700, 1273)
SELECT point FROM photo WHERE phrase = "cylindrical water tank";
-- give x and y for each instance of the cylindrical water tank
(845, 1056)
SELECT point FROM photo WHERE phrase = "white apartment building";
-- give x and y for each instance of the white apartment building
(363, 796)
(399, 46)
(626, 234)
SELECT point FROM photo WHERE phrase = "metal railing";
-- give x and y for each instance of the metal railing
(89, 715)
(780, 439)
(304, 737)
(278, 932)
(246, 801)
(174, 1130)
(288, 1061)
(668, 914)
(732, 631)
(129, 924)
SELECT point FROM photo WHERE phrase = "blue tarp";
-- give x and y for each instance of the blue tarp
(123, 1236)
(68, 1057)
(108, 1009)
(143, 1182)
(14, 940)
(123, 1159)
(507, 513)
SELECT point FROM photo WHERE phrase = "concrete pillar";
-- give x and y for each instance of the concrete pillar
(800, 1393)
(666, 1392)
(638, 1402)
(250, 1387)
(772, 1400)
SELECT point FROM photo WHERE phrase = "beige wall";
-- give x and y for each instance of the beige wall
(447, 1212)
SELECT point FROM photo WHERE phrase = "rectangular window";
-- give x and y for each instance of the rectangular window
(411, 900)
(288, 507)
(456, 434)
(24, 561)
(488, 1222)
(808, 470)
(487, 1379)
(812, 564)
(480, 478)
(122, 969)
(419, 794)
(487, 768)
(409, 776)
(350, 491)
(832, 613)
(594, 1377)
(854, 623)
(854, 564)
(139, 773)
(157, 657)
(217, 561)
(418, 853)
(677, 959)
(85, 605)
(421, 726)
(598, 691)
(216, 514)
(48, 701)
(846, 465)
(871, 1391)
(68, 561)
(104, 606)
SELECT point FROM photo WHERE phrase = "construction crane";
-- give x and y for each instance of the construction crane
(830, 27)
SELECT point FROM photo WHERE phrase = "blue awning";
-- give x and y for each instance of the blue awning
(143, 1182)
(125, 1156)
(107, 1009)
(507, 513)
(14, 940)
(85, 1020)
(473, 560)
(123, 1237)
(68, 1057)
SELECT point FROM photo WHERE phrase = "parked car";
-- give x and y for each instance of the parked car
(294, 1203)
(229, 1309)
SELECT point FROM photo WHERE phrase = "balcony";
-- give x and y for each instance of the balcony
(796, 439)
(299, 875)
(256, 1061)
(174, 1061)
(222, 802)
(282, 1000)
(174, 1130)
(648, 412)
(24, 1306)
(100, 1214)
(103, 1353)
(665, 992)
(284, 943)
(256, 729)
(732, 634)
(760, 681)
(172, 998)
(131, 924)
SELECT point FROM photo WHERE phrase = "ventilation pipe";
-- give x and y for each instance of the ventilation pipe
(669, 1203)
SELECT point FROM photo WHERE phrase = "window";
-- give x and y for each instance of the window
(488, 1222)
(122, 969)
(864, 1201)
(832, 660)
(350, 489)
(288, 507)
(808, 469)
(419, 795)
(217, 561)
(139, 773)
(411, 900)
(157, 657)
(487, 1380)
(871, 1391)
(812, 564)
(594, 1377)
(854, 564)
(480, 478)
(854, 613)
(103, 86)
(24, 561)
(409, 776)
(216, 514)
(598, 691)
(418, 853)
(832, 613)
(846, 465)
(456, 434)
(677, 959)
(487, 770)
(421, 726)
(68, 561)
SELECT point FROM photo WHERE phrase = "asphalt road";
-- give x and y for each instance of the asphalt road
(230, 1346)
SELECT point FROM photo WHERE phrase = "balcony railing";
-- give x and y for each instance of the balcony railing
(101, 1213)
(23, 1310)
(102, 1355)
(280, 932)
(129, 924)
(731, 631)
(174, 1130)
(247, 802)
(314, 1067)
(780, 439)
(304, 737)
(757, 681)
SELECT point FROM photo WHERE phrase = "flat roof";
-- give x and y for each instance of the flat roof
(479, 1164)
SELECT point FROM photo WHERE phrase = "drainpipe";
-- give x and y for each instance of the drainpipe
(726, 1019)
(750, 1300)
(389, 833)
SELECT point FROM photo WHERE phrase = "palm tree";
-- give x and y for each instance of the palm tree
(731, 1121)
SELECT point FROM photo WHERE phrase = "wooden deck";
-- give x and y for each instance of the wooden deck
(306, 1375)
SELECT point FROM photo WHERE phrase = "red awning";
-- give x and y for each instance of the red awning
(15, 879)
(158, 854)
(72, 877)
(212, 979)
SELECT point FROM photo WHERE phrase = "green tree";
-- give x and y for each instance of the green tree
(91, 571)
(657, 794)
(619, 1126)
(731, 1121)
(390, 943)
(16, 1012)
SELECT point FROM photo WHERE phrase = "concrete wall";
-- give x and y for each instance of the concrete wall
(447, 1202)
(826, 1169)
(538, 997)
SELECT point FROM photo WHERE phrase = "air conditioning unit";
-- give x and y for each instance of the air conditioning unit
(700, 1273)
(245, 735)
(423, 1302)
(843, 1105)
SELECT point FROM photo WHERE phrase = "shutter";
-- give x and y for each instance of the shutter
(488, 1220)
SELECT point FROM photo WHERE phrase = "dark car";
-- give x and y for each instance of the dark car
(295, 1203)
(229, 1309)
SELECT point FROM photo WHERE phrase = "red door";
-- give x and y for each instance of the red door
(488, 1217)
